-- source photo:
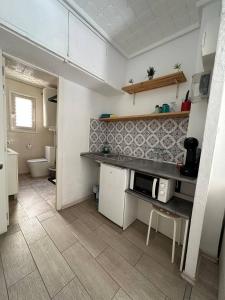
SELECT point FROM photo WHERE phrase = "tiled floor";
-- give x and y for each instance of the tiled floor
(79, 254)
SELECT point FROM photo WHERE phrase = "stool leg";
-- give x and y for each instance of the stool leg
(184, 244)
(174, 240)
(179, 237)
(157, 222)
(149, 227)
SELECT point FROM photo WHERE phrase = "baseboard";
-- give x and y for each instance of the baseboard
(188, 278)
(89, 197)
(213, 259)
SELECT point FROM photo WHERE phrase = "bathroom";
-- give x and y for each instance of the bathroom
(31, 100)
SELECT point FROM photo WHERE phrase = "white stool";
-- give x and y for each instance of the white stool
(163, 213)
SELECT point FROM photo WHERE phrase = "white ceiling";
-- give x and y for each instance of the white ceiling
(20, 71)
(135, 26)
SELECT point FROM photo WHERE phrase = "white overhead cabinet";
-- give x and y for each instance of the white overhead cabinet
(49, 24)
(86, 49)
(115, 68)
(42, 21)
(113, 201)
(209, 42)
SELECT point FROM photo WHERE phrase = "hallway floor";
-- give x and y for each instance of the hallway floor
(79, 254)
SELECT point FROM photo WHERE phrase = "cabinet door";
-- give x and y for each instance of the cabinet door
(86, 49)
(209, 38)
(42, 21)
(12, 168)
(115, 68)
(113, 183)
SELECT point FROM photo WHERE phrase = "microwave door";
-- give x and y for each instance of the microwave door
(143, 184)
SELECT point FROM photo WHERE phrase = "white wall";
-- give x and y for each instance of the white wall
(3, 156)
(19, 140)
(163, 58)
(221, 291)
(76, 106)
(199, 109)
(210, 189)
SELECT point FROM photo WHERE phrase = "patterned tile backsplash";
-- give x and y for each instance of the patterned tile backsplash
(156, 139)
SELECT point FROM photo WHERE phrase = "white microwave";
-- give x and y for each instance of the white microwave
(161, 189)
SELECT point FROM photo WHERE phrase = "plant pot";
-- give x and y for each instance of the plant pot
(150, 77)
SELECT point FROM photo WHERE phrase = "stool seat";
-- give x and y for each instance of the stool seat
(166, 212)
(168, 215)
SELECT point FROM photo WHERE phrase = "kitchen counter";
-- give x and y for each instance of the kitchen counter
(177, 206)
(161, 169)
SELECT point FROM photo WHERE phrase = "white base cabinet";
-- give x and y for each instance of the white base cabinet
(113, 201)
(12, 167)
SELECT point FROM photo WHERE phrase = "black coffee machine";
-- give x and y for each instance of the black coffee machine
(192, 159)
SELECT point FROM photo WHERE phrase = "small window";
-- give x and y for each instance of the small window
(22, 113)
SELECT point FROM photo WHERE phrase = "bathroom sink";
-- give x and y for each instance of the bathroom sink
(10, 151)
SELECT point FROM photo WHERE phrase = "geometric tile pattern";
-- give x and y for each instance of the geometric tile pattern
(160, 140)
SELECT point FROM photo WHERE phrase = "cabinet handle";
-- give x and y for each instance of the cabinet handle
(1, 166)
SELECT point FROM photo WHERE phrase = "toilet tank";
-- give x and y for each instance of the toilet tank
(50, 155)
(49, 108)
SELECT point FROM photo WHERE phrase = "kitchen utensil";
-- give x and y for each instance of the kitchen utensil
(186, 104)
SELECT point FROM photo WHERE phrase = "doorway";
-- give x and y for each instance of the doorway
(31, 114)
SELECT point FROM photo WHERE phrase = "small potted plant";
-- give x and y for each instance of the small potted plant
(150, 72)
(131, 81)
(177, 67)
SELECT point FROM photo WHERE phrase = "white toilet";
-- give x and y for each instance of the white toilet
(39, 166)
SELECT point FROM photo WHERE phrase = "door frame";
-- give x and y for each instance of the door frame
(58, 156)
(3, 153)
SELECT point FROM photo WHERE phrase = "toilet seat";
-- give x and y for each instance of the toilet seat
(37, 160)
(38, 167)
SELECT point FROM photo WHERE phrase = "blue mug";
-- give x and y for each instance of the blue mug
(165, 108)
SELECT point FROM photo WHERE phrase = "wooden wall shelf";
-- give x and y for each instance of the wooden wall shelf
(156, 83)
(182, 114)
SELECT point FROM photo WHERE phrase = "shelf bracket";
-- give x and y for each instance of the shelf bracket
(177, 89)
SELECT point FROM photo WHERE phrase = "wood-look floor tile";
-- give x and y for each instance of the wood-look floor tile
(79, 210)
(124, 247)
(59, 233)
(201, 292)
(73, 291)
(17, 214)
(31, 287)
(170, 284)
(121, 295)
(13, 228)
(79, 229)
(29, 198)
(132, 281)
(89, 239)
(208, 274)
(67, 215)
(159, 247)
(46, 215)
(32, 230)
(16, 258)
(3, 290)
(90, 221)
(38, 208)
(90, 205)
(53, 268)
(109, 223)
(96, 281)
